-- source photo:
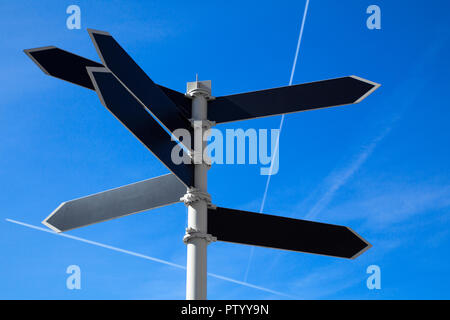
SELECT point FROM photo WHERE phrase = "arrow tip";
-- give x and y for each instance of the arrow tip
(29, 53)
(46, 222)
(375, 86)
(92, 31)
(367, 247)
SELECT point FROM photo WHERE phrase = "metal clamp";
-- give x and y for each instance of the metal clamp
(209, 205)
(192, 233)
(193, 194)
(198, 156)
(202, 124)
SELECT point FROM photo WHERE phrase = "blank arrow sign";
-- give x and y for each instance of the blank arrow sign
(115, 203)
(116, 98)
(285, 233)
(296, 98)
(63, 65)
(71, 67)
(128, 72)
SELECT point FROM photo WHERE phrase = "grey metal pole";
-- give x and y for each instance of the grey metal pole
(197, 199)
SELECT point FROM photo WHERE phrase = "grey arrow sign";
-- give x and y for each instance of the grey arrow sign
(115, 203)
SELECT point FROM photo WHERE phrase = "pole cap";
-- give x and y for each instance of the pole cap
(199, 88)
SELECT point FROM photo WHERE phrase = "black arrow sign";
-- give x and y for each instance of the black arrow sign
(71, 67)
(135, 118)
(301, 97)
(63, 65)
(119, 62)
(284, 233)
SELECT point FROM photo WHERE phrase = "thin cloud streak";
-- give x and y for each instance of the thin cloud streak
(395, 204)
(414, 79)
(342, 177)
(139, 255)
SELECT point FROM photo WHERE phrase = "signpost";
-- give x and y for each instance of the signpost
(152, 113)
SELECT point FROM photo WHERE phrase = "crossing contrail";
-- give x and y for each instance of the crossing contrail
(281, 128)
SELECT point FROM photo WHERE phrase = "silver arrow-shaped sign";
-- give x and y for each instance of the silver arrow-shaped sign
(133, 198)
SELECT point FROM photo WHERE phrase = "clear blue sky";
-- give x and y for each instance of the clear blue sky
(380, 167)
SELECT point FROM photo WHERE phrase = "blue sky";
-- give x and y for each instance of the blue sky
(380, 167)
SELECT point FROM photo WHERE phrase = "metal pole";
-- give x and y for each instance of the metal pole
(197, 199)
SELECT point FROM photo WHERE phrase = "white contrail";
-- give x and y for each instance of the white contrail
(248, 285)
(281, 128)
(143, 256)
(299, 42)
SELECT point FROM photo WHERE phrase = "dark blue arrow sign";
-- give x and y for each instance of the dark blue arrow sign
(301, 97)
(119, 62)
(135, 118)
(70, 67)
(63, 65)
(284, 233)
